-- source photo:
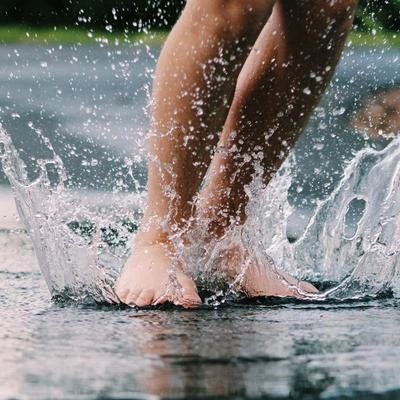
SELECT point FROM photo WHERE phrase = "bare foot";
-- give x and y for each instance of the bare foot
(150, 278)
(255, 279)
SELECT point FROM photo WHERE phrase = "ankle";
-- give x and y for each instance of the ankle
(149, 238)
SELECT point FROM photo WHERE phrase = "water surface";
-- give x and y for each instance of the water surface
(240, 351)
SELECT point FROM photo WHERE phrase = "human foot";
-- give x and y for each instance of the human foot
(254, 278)
(151, 278)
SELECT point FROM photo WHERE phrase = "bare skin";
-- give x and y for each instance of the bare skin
(242, 78)
(153, 263)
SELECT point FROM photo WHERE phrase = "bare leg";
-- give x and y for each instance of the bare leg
(281, 82)
(193, 88)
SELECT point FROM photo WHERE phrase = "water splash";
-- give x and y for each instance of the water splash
(352, 239)
(79, 247)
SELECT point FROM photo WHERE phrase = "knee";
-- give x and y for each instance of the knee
(235, 16)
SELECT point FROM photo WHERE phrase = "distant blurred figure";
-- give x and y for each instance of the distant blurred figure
(379, 116)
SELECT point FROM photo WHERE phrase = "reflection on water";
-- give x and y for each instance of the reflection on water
(243, 351)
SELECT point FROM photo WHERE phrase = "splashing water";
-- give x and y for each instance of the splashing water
(79, 248)
(351, 239)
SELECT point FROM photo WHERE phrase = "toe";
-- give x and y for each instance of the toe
(122, 294)
(145, 298)
(190, 300)
(184, 299)
(161, 299)
(132, 297)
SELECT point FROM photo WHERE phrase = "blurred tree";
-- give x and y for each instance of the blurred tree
(378, 13)
(124, 14)
(134, 14)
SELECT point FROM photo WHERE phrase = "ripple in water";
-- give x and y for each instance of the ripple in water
(351, 240)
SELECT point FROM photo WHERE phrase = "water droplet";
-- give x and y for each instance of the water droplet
(338, 111)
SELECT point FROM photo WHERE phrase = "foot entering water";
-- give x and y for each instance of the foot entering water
(250, 276)
(151, 278)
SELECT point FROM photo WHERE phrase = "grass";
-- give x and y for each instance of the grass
(72, 35)
(10, 34)
(374, 39)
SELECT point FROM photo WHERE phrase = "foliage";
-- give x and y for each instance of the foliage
(378, 14)
(64, 35)
(124, 14)
(27, 34)
(138, 15)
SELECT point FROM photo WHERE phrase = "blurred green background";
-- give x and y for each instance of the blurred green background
(121, 14)
(153, 14)
(381, 14)
(128, 17)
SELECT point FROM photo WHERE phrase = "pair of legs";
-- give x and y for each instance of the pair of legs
(234, 87)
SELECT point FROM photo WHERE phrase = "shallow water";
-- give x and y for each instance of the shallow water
(267, 350)
(50, 351)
